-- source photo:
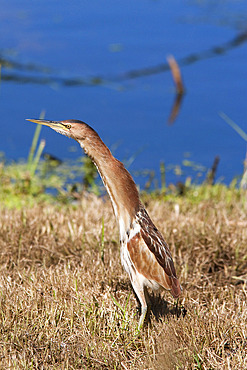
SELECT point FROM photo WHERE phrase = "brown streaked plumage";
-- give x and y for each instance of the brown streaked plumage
(145, 254)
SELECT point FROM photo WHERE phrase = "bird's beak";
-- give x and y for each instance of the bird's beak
(52, 124)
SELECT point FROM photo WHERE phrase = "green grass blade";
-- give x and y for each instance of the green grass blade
(117, 304)
(35, 140)
(235, 127)
(34, 144)
(36, 159)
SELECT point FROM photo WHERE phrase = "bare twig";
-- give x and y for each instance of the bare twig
(176, 74)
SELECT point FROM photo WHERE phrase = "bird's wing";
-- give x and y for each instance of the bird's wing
(158, 246)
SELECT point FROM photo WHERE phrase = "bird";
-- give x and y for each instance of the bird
(144, 252)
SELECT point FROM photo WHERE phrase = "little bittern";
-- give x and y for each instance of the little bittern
(145, 254)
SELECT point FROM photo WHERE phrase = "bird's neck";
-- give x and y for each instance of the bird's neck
(117, 180)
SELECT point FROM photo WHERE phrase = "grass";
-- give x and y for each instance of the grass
(66, 303)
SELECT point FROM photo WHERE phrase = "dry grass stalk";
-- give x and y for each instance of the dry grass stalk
(180, 90)
(61, 307)
(176, 74)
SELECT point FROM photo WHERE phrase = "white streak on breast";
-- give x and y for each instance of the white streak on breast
(125, 259)
(125, 256)
(135, 229)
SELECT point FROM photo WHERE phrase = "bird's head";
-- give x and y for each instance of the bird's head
(75, 129)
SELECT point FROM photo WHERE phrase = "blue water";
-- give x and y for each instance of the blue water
(104, 62)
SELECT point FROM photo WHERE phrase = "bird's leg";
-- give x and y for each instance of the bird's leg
(142, 295)
(142, 318)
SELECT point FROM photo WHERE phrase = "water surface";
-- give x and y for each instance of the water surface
(105, 63)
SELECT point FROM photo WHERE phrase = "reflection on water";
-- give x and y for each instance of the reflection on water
(180, 89)
(47, 77)
(190, 59)
(47, 74)
(176, 106)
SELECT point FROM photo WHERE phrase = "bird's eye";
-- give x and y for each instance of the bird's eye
(68, 126)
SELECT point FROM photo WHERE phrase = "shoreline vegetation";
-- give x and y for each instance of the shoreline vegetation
(65, 299)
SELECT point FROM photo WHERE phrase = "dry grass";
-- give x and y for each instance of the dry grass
(66, 303)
